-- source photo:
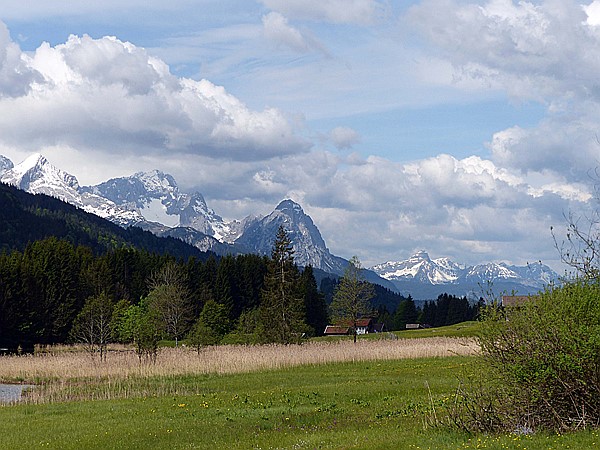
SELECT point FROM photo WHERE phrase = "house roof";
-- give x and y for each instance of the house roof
(515, 300)
(364, 322)
(336, 329)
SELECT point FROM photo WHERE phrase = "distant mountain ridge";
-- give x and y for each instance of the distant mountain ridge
(422, 276)
(154, 202)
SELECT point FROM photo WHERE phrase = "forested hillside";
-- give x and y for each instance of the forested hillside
(26, 218)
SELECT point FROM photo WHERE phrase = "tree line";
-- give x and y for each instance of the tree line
(51, 291)
(57, 292)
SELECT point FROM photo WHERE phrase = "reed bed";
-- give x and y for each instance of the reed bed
(69, 375)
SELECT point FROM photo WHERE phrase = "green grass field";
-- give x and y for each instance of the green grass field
(367, 405)
(464, 329)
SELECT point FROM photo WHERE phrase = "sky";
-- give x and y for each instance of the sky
(464, 128)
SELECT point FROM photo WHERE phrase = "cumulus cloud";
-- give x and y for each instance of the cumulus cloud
(547, 51)
(361, 12)
(447, 205)
(106, 94)
(344, 137)
(15, 76)
(532, 50)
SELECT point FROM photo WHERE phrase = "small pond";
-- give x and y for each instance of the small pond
(10, 393)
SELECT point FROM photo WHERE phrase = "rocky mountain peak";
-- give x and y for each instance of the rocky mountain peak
(157, 183)
(37, 175)
(290, 207)
(5, 164)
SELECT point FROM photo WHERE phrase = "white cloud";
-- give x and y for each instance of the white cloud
(362, 12)
(344, 137)
(277, 29)
(532, 50)
(548, 51)
(111, 95)
(15, 76)
(593, 12)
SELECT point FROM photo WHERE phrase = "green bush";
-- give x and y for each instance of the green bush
(541, 363)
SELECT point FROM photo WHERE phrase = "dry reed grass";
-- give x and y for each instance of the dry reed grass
(68, 375)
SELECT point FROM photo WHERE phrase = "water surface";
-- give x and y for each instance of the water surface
(10, 393)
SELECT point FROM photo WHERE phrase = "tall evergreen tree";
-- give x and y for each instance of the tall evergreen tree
(317, 316)
(405, 313)
(282, 306)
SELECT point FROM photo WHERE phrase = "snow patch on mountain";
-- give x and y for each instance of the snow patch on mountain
(155, 211)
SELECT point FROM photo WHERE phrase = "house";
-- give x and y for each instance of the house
(363, 326)
(515, 300)
(417, 326)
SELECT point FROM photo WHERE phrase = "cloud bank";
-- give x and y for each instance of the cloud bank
(108, 95)
(105, 107)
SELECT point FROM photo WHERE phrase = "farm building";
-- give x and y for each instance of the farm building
(514, 300)
(363, 326)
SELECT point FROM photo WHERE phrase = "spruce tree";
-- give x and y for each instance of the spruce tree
(317, 316)
(282, 306)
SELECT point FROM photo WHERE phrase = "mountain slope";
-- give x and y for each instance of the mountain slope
(157, 198)
(309, 246)
(29, 217)
(37, 176)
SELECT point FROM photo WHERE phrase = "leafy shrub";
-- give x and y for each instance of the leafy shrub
(541, 364)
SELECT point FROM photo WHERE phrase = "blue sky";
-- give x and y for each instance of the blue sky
(462, 127)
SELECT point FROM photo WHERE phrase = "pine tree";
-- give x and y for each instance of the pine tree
(282, 306)
(406, 313)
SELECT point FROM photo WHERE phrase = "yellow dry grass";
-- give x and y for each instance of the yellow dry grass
(61, 366)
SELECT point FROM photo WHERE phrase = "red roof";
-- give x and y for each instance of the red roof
(335, 329)
(364, 322)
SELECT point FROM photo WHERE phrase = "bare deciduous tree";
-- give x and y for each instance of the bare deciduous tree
(92, 327)
(171, 301)
(351, 299)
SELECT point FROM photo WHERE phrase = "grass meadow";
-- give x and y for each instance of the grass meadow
(379, 394)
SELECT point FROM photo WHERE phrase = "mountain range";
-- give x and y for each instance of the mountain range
(154, 202)
(424, 275)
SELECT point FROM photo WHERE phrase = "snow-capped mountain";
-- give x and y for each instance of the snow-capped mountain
(157, 198)
(152, 200)
(444, 275)
(422, 268)
(5, 164)
(308, 244)
(37, 176)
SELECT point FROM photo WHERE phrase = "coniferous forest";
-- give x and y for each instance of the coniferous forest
(69, 276)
